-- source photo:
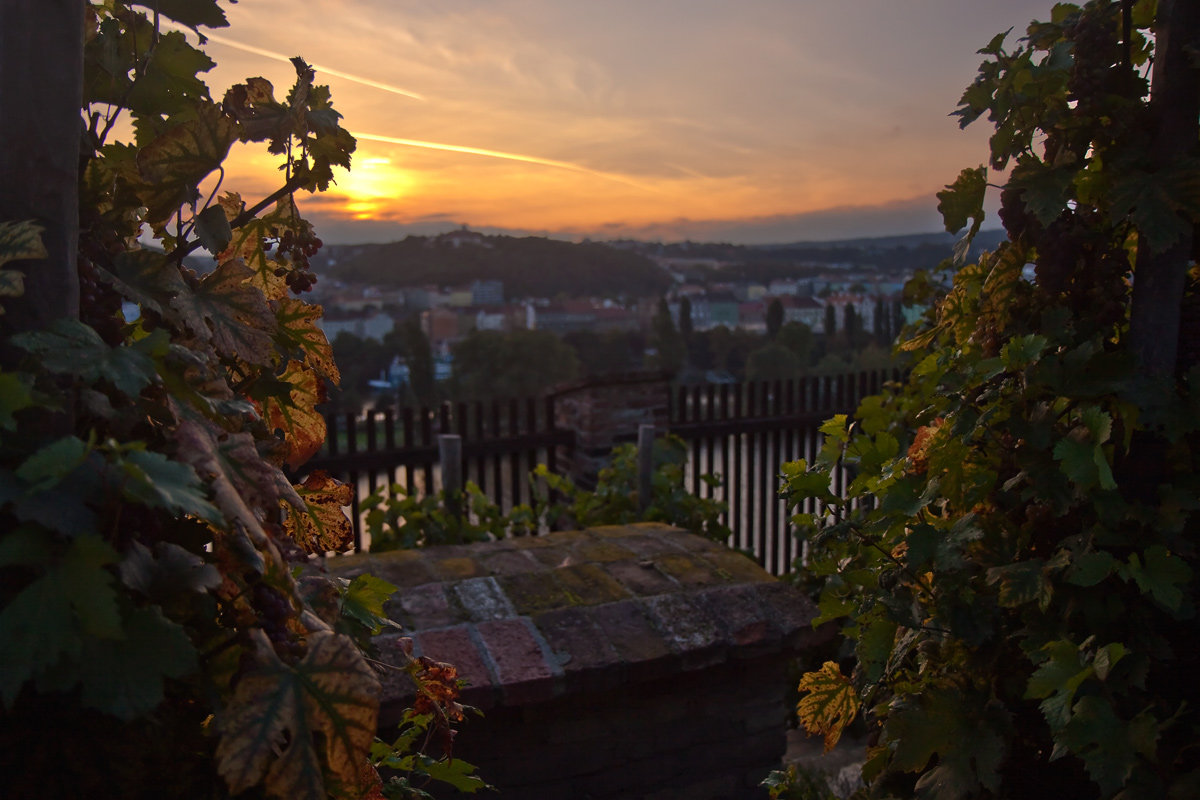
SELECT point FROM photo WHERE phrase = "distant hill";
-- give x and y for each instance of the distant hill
(528, 266)
(540, 267)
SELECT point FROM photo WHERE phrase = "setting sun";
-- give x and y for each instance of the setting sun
(373, 185)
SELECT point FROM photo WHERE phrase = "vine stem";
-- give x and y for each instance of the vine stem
(183, 250)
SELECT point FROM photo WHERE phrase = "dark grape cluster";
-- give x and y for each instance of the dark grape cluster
(1014, 215)
(299, 246)
(275, 611)
(1096, 34)
(1080, 263)
(100, 304)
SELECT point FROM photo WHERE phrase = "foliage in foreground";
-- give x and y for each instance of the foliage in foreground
(396, 520)
(1014, 559)
(153, 638)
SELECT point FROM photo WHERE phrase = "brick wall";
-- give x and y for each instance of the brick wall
(616, 662)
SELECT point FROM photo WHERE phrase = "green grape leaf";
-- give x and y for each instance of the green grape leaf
(288, 726)
(299, 334)
(124, 677)
(830, 705)
(363, 601)
(1021, 351)
(70, 347)
(1098, 736)
(48, 620)
(1044, 190)
(1022, 583)
(322, 526)
(963, 200)
(231, 313)
(157, 481)
(968, 742)
(453, 772)
(15, 395)
(1163, 205)
(147, 278)
(53, 462)
(212, 229)
(174, 163)
(166, 572)
(1084, 463)
(1088, 569)
(1056, 680)
(1161, 575)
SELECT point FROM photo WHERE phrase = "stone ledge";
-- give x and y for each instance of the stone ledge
(534, 618)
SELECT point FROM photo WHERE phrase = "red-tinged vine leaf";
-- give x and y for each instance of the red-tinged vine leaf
(175, 162)
(323, 526)
(230, 313)
(299, 334)
(830, 705)
(296, 415)
(297, 729)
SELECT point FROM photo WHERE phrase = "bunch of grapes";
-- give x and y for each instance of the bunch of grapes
(99, 303)
(1096, 34)
(275, 611)
(300, 245)
(1081, 263)
(1015, 217)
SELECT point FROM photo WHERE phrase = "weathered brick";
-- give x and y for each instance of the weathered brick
(641, 577)
(511, 562)
(595, 551)
(690, 633)
(588, 660)
(736, 567)
(743, 615)
(533, 592)
(482, 599)
(688, 569)
(526, 670)
(589, 584)
(639, 644)
(644, 545)
(401, 567)
(425, 606)
(456, 568)
(457, 646)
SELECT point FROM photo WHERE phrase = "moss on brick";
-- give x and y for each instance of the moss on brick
(531, 593)
(589, 585)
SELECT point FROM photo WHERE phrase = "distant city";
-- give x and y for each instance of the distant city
(611, 290)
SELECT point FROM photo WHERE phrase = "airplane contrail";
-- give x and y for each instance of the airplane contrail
(259, 51)
(482, 151)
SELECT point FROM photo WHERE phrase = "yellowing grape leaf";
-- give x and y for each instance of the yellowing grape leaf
(302, 425)
(292, 728)
(176, 161)
(830, 705)
(247, 246)
(323, 526)
(230, 313)
(298, 333)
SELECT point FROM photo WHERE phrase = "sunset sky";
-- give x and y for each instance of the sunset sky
(748, 121)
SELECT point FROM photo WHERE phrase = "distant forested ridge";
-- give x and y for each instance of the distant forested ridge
(529, 267)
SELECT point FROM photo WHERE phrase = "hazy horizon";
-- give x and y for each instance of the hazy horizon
(761, 122)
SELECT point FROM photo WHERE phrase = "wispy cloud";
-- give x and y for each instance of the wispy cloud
(483, 151)
(271, 54)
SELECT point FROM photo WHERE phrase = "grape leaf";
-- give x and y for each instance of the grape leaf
(71, 347)
(124, 677)
(830, 705)
(15, 395)
(1104, 742)
(156, 481)
(192, 13)
(174, 163)
(1161, 575)
(1161, 204)
(166, 572)
(212, 229)
(231, 313)
(297, 416)
(323, 526)
(963, 200)
(298, 333)
(290, 726)
(48, 620)
(363, 602)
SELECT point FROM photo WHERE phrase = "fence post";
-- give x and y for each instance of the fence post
(450, 456)
(645, 461)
